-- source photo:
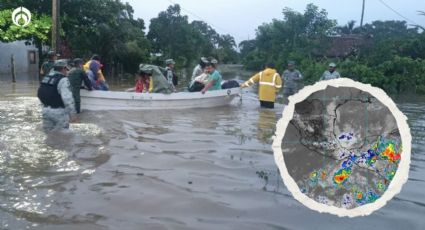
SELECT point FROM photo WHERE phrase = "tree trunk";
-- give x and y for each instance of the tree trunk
(12, 68)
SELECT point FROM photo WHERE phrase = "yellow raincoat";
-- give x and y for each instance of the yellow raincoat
(270, 83)
(100, 76)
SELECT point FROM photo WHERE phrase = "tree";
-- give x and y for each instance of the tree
(170, 35)
(37, 30)
(392, 56)
(246, 47)
(423, 14)
(349, 28)
(204, 37)
(105, 27)
(226, 52)
(36, 33)
(294, 34)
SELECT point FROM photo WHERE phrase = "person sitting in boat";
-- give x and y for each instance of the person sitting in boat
(157, 81)
(142, 84)
(199, 69)
(93, 69)
(198, 83)
(214, 77)
(199, 76)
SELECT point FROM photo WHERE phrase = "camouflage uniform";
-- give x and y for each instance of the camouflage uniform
(76, 77)
(331, 73)
(327, 75)
(291, 80)
(58, 117)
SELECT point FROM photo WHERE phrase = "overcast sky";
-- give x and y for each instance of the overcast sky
(240, 18)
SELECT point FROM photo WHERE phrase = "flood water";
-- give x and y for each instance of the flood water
(189, 169)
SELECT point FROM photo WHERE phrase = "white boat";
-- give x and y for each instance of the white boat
(115, 100)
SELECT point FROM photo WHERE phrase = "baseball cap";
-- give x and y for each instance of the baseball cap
(170, 61)
(61, 63)
(52, 54)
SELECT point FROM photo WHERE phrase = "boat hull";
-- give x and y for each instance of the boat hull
(113, 100)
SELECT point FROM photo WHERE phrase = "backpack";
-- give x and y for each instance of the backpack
(196, 87)
(230, 84)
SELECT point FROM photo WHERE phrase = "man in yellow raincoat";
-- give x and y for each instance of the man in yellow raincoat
(269, 82)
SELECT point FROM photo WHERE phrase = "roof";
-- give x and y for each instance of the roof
(343, 46)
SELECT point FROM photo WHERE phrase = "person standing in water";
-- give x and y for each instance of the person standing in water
(269, 84)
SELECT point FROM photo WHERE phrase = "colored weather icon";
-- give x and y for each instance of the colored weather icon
(341, 145)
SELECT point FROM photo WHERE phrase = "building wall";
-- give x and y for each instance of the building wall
(26, 58)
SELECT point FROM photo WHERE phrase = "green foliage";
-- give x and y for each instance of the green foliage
(105, 27)
(225, 51)
(295, 34)
(311, 70)
(392, 56)
(170, 33)
(108, 28)
(172, 36)
(38, 29)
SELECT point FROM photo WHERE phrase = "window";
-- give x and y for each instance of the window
(32, 58)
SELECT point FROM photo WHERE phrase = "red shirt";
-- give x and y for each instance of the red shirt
(141, 86)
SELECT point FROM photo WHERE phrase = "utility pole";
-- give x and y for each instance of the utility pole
(55, 25)
(361, 20)
(12, 67)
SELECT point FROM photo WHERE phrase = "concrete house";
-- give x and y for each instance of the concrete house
(25, 59)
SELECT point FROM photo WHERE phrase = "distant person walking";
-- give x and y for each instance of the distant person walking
(331, 73)
(77, 77)
(269, 84)
(48, 65)
(292, 78)
(57, 99)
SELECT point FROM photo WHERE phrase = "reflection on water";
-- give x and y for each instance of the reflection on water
(266, 125)
(190, 169)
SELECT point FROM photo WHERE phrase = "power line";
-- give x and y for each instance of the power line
(200, 18)
(399, 14)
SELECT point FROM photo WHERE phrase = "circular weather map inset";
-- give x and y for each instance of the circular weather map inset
(343, 147)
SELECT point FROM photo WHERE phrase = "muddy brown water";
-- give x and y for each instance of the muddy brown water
(189, 169)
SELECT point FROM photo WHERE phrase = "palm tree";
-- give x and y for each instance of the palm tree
(347, 29)
(423, 14)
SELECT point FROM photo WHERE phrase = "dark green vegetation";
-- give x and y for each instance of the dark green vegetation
(108, 28)
(387, 54)
(173, 36)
